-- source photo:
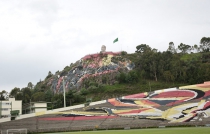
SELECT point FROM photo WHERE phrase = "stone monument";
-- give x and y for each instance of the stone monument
(103, 48)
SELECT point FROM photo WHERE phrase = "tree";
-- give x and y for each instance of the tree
(49, 75)
(19, 96)
(14, 92)
(57, 101)
(38, 96)
(205, 44)
(26, 94)
(175, 67)
(70, 96)
(128, 78)
(123, 53)
(134, 76)
(48, 95)
(4, 95)
(30, 85)
(168, 76)
(142, 48)
(151, 64)
(184, 48)
(122, 78)
(171, 48)
(196, 48)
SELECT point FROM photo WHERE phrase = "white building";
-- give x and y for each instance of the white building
(6, 106)
(34, 107)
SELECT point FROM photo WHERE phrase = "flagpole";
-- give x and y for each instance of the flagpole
(116, 40)
(121, 47)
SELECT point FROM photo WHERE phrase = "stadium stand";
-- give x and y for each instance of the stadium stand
(188, 105)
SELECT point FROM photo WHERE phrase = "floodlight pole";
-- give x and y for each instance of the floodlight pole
(64, 92)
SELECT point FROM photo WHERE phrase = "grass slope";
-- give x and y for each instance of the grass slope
(118, 90)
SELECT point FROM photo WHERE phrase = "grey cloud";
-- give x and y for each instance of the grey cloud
(43, 11)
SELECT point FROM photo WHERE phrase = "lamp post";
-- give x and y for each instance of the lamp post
(30, 106)
(64, 90)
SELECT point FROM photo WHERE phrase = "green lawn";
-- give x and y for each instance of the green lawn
(187, 130)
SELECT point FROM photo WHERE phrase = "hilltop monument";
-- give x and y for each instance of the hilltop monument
(103, 48)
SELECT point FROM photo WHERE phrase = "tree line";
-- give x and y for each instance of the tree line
(187, 64)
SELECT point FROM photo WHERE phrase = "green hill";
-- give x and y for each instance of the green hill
(109, 74)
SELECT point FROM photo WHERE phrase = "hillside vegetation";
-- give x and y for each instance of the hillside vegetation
(121, 74)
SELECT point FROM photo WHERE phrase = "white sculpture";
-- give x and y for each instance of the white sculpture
(103, 48)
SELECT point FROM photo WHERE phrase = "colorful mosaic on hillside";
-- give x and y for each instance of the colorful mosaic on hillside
(183, 104)
(92, 65)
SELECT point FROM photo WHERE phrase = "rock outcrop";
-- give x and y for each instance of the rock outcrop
(92, 65)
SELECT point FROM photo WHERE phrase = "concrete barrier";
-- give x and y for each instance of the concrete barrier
(23, 116)
(51, 111)
(127, 128)
(97, 102)
(64, 109)
(5, 119)
(207, 125)
(48, 112)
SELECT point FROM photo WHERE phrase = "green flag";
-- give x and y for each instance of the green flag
(116, 40)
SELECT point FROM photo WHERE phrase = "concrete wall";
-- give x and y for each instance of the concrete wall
(4, 119)
(40, 110)
(64, 109)
(5, 111)
(48, 112)
(97, 102)
(25, 116)
(40, 105)
(16, 105)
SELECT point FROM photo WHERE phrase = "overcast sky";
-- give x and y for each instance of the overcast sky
(38, 36)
